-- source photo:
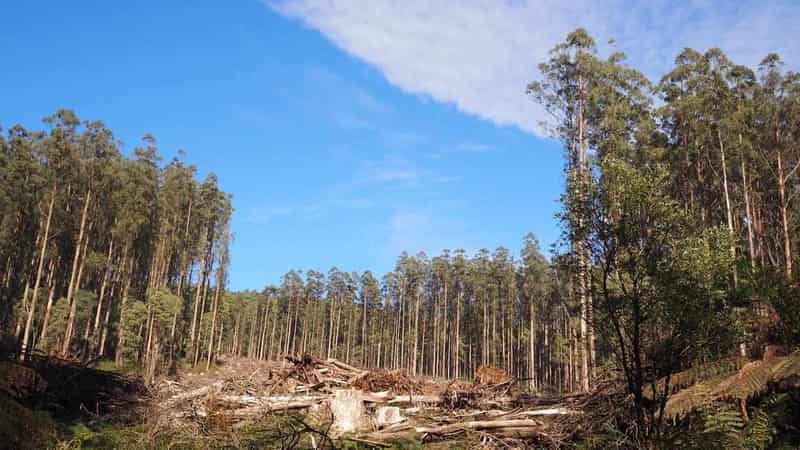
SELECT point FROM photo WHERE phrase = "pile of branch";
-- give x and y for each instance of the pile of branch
(375, 407)
(396, 381)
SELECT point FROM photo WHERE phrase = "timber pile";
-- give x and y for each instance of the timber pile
(373, 407)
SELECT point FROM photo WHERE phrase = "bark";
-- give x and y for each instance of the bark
(748, 211)
(75, 263)
(784, 210)
(214, 318)
(457, 349)
(100, 297)
(74, 304)
(42, 251)
(121, 333)
(727, 199)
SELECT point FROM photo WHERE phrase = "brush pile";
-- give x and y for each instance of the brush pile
(337, 400)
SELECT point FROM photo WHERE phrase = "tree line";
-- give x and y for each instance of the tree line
(441, 316)
(104, 255)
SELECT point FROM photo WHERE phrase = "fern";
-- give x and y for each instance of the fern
(692, 398)
(699, 373)
(760, 431)
(725, 424)
(753, 379)
(763, 426)
(788, 368)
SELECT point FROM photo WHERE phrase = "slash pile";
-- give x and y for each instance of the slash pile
(338, 401)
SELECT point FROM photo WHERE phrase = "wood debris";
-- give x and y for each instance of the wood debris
(375, 408)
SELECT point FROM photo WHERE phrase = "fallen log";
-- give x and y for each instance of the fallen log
(344, 366)
(479, 425)
(264, 409)
(274, 399)
(549, 412)
(520, 433)
(186, 396)
(414, 399)
(386, 397)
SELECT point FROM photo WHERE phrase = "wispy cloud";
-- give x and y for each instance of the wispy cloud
(414, 230)
(473, 147)
(263, 214)
(403, 139)
(349, 105)
(351, 121)
(364, 188)
(389, 169)
(480, 54)
(394, 169)
(313, 210)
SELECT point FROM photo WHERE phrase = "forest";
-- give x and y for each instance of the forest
(673, 280)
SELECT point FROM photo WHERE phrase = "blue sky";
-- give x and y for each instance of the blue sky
(348, 131)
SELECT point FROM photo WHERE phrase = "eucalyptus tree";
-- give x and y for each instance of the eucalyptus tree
(137, 203)
(569, 81)
(533, 283)
(98, 153)
(23, 182)
(59, 150)
(370, 296)
(314, 330)
(777, 113)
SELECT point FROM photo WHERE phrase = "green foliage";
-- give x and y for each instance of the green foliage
(725, 428)
(165, 306)
(724, 423)
(60, 312)
(134, 318)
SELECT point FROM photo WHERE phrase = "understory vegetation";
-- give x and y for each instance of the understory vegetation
(675, 277)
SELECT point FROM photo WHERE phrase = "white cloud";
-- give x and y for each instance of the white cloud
(480, 54)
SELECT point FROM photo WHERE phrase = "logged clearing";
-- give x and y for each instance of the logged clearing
(298, 402)
(331, 401)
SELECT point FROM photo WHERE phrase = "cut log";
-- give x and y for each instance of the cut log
(415, 399)
(480, 425)
(251, 412)
(186, 396)
(349, 414)
(548, 412)
(388, 415)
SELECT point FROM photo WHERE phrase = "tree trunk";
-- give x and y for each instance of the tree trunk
(200, 283)
(728, 207)
(784, 207)
(70, 331)
(73, 275)
(37, 281)
(121, 325)
(100, 297)
(214, 318)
